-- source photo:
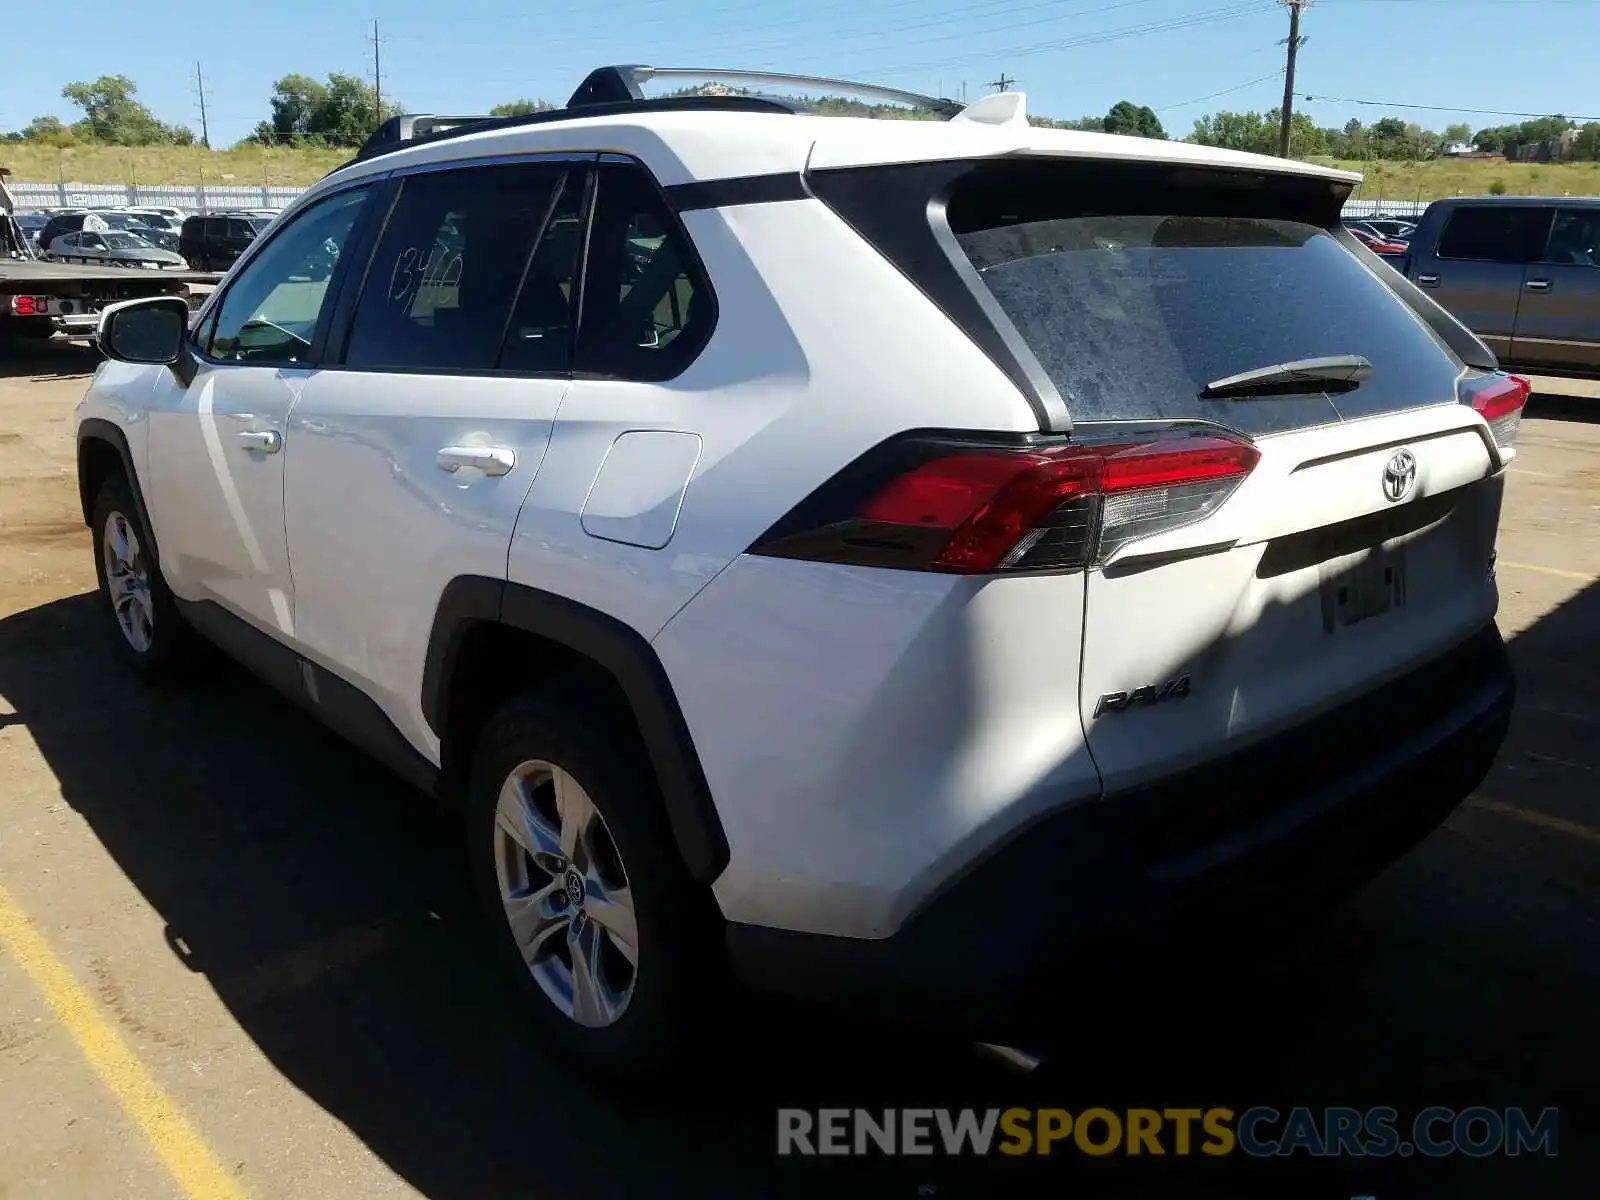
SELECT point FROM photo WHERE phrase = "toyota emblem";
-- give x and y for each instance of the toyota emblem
(1400, 475)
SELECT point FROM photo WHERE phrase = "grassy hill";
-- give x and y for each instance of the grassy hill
(179, 165)
(1471, 177)
(289, 168)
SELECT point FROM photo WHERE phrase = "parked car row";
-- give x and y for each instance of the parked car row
(160, 237)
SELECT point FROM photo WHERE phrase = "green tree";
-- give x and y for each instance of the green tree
(1305, 139)
(112, 115)
(1137, 120)
(1493, 140)
(295, 99)
(340, 111)
(50, 131)
(1587, 147)
(1459, 132)
(521, 108)
(1237, 131)
(1084, 124)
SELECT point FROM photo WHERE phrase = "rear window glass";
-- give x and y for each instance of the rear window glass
(1132, 316)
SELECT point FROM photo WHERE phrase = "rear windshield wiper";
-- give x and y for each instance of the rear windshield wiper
(1336, 373)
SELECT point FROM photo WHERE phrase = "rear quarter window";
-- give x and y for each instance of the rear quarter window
(1132, 316)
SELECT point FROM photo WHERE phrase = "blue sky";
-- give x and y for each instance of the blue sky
(1072, 57)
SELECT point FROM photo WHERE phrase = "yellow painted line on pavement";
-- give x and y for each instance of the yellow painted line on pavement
(1558, 572)
(176, 1142)
(1585, 833)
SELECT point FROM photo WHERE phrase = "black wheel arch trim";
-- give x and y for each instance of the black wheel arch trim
(469, 601)
(97, 429)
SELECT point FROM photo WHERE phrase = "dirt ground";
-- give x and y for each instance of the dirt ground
(267, 922)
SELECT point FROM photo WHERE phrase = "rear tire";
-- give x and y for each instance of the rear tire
(150, 633)
(562, 804)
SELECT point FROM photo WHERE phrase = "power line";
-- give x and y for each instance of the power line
(1238, 87)
(1447, 108)
(832, 57)
(1207, 17)
(200, 90)
(1003, 83)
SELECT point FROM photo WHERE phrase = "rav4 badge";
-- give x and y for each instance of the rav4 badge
(1150, 693)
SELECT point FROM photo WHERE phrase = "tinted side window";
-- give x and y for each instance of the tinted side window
(539, 337)
(240, 229)
(1574, 238)
(647, 305)
(270, 311)
(1499, 233)
(440, 288)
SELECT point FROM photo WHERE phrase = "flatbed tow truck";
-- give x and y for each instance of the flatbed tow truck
(38, 299)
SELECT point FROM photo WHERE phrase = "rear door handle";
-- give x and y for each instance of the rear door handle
(1537, 285)
(491, 460)
(268, 441)
(1427, 281)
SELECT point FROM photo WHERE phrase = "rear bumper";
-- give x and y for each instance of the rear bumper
(1307, 815)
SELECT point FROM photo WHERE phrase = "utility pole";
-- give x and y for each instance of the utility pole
(200, 88)
(1286, 114)
(377, 73)
(1003, 83)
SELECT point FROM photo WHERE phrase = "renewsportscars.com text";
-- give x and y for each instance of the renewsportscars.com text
(1260, 1132)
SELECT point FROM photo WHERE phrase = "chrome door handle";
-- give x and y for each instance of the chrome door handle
(1537, 285)
(491, 460)
(1427, 281)
(268, 441)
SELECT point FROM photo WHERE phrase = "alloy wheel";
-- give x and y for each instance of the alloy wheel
(565, 893)
(128, 582)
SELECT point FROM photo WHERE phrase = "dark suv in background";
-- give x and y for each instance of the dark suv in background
(1522, 272)
(213, 243)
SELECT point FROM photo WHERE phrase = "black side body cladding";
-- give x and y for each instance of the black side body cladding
(341, 706)
(627, 657)
(97, 430)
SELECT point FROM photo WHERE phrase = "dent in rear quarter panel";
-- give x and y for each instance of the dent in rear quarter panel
(867, 734)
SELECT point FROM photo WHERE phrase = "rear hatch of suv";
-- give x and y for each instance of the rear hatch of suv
(1308, 502)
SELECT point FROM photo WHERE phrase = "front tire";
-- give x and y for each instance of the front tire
(590, 910)
(151, 634)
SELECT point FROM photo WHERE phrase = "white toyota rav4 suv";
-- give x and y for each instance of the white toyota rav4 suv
(877, 557)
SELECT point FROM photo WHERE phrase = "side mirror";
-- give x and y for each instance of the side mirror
(149, 332)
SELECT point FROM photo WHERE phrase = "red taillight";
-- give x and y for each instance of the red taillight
(1500, 399)
(22, 306)
(941, 505)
